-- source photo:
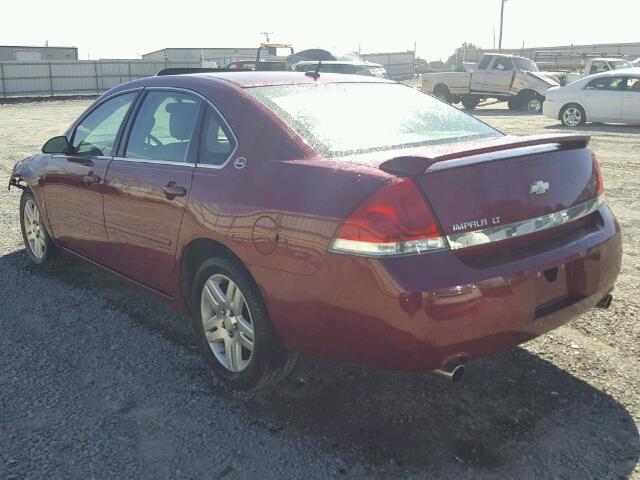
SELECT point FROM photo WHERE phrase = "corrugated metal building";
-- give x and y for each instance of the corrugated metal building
(22, 53)
(220, 55)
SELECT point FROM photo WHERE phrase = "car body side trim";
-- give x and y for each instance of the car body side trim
(524, 227)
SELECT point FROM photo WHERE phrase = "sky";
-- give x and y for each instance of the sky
(127, 29)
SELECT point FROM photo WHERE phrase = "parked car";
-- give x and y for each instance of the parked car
(598, 65)
(243, 65)
(342, 66)
(342, 216)
(612, 96)
(503, 77)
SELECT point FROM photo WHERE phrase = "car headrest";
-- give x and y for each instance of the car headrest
(182, 119)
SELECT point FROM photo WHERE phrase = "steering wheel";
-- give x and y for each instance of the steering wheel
(155, 140)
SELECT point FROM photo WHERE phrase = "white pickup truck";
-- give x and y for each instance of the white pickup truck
(598, 65)
(503, 77)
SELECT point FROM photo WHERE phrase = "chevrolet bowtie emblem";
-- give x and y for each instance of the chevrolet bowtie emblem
(539, 187)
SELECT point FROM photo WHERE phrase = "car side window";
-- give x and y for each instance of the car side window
(484, 63)
(216, 141)
(633, 84)
(503, 64)
(606, 83)
(95, 135)
(163, 127)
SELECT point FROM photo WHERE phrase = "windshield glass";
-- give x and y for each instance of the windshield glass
(525, 64)
(345, 118)
(617, 65)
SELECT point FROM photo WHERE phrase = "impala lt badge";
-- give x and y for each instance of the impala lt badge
(539, 187)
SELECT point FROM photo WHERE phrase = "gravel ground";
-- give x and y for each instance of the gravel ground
(98, 379)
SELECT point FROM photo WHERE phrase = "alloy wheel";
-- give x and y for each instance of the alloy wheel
(34, 230)
(227, 323)
(534, 105)
(572, 117)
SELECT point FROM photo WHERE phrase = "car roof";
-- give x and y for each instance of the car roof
(340, 62)
(255, 78)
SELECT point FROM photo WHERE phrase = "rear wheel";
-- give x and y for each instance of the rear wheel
(469, 103)
(37, 242)
(442, 92)
(233, 327)
(573, 115)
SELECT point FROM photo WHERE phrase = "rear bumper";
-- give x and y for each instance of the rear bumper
(422, 312)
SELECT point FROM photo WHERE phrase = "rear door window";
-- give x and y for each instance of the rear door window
(164, 127)
(217, 143)
(503, 64)
(484, 63)
(96, 134)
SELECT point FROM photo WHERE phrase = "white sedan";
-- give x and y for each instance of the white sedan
(612, 97)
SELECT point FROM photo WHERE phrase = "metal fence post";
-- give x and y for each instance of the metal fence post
(95, 70)
(4, 88)
(129, 65)
(51, 78)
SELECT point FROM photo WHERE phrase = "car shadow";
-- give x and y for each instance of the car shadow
(500, 112)
(598, 128)
(515, 414)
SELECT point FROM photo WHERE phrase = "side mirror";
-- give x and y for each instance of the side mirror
(58, 144)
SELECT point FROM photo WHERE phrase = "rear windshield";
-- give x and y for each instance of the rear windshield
(346, 118)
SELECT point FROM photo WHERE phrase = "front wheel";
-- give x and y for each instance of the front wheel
(233, 327)
(573, 115)
(37, 242)
(533, 103)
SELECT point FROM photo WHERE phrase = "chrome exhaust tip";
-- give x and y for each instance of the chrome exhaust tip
(454, 375)
(605, 302)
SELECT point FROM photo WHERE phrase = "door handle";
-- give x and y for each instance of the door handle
(172, 191)
(91, 178)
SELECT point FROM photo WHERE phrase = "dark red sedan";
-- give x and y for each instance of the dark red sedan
(342, 216)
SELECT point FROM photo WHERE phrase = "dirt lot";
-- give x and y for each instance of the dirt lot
(100, 380)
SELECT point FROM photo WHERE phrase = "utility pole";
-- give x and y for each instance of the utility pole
(266, 35)
(501, 24)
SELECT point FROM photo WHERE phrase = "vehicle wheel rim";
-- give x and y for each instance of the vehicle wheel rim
(572, 117)
(534, 105)
(33, 229)
(227, 323)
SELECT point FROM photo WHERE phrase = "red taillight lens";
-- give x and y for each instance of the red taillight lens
(598, 174)
(393, 221)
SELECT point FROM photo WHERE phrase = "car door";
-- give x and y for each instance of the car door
(500, 76)
(602, 99)
(148, 186)
(74, 183)
(479, 76)
(631, 101)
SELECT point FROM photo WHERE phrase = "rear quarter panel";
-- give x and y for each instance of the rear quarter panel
(457, 82)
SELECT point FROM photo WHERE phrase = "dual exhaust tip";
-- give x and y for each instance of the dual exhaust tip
(453, 374)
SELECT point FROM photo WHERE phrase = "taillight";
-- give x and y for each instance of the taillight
(395, 220)
(598, 174)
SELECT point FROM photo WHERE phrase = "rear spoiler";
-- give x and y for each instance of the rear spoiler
(416, 164)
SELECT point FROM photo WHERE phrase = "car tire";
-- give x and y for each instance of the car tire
(37, 242)
(573, 115)
(532, 103)
(236, 337)
(442, 92)
(470, 103)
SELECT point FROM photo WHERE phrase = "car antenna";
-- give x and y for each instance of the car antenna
(315, 74)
